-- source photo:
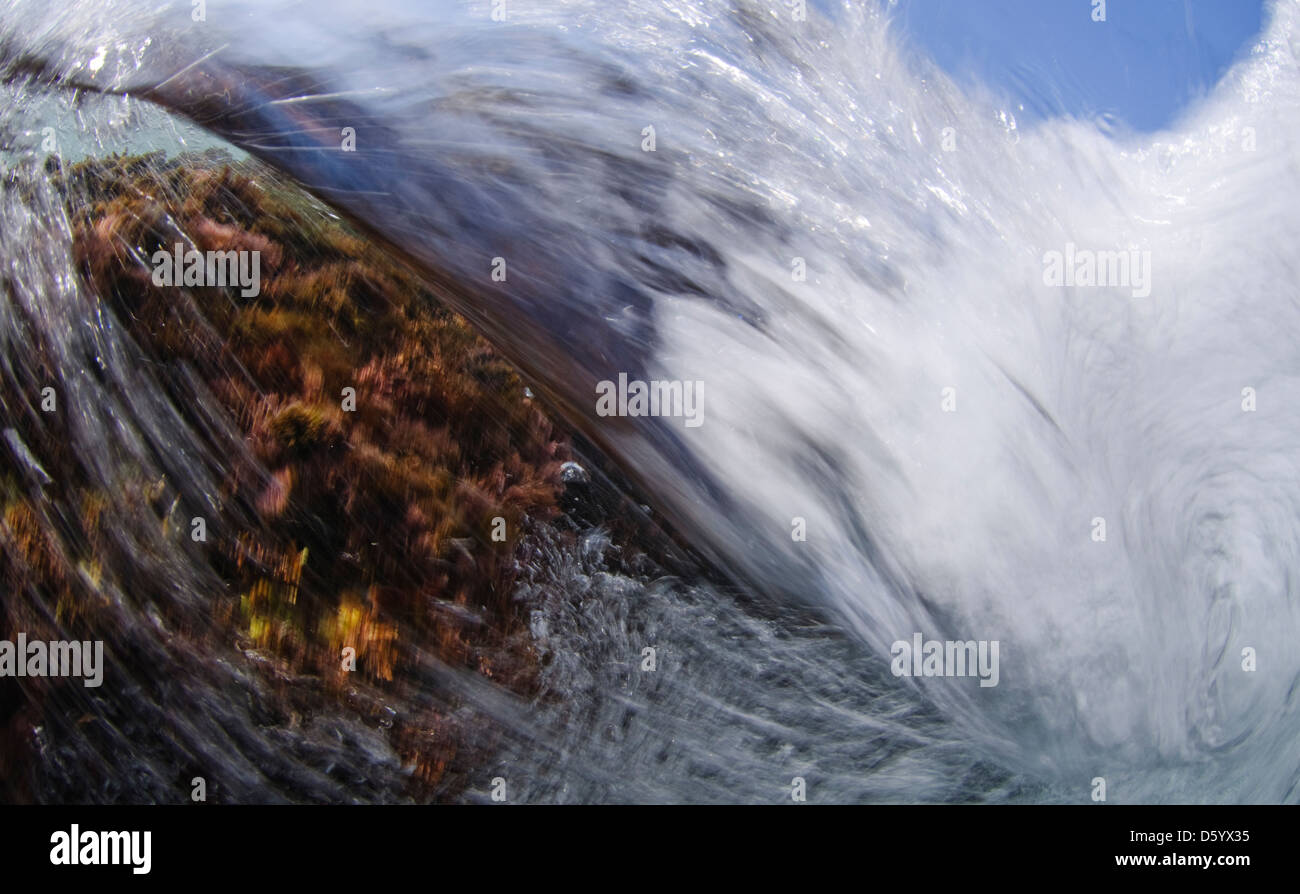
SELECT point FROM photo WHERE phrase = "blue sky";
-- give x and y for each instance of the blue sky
(1142, 66)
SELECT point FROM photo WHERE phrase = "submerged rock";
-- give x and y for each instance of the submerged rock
(369, 528)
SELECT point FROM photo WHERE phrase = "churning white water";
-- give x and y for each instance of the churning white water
(953, 432)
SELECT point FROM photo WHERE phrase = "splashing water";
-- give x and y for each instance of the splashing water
(964, 514)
